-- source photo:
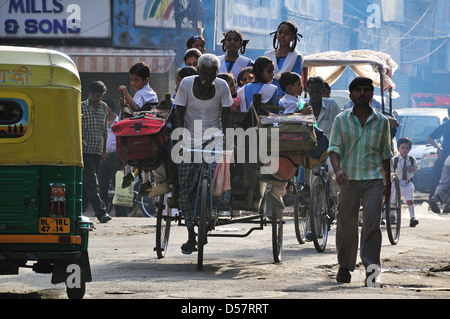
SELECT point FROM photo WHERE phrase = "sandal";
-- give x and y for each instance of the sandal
(434, 206)
(189, 247)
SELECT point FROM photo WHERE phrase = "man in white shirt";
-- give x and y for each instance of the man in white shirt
(204, 100)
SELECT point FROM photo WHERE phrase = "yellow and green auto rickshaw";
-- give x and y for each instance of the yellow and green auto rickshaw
(41, 167)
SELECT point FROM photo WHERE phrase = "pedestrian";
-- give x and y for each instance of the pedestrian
(404, 166)
(232, 62)
(206, 99)
(263, 72)
(443, 150)
(360, 153)
(139, 75)
(326, 90)
(284, 55)
(94, 135)
(109, 167)
(442, 192)
(291, 84)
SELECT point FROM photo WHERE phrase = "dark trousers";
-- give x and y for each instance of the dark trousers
(107, 173)
(91, 191)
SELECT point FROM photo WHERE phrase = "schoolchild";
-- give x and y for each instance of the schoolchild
(284, 55)
(404, 166)
(191, 57)
(139, 75)
(196, 42)
(291, 83)
(233, 43)
(229, 78)
(263, 72)
(245, 76)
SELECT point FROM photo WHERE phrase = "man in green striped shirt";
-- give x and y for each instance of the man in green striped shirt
(360, 152)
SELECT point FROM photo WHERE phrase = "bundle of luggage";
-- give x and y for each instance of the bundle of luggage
(142, 140)
(297, 137)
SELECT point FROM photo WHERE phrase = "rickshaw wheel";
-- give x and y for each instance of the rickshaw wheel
(301, 215)
(277, 233)
(202, 223)
(162, 229)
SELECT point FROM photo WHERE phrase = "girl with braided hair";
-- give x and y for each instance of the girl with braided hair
(284, 55)
(233, 43)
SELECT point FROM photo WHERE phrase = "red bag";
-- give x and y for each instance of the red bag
(142, 140)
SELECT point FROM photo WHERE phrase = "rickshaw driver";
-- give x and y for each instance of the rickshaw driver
(205, 98)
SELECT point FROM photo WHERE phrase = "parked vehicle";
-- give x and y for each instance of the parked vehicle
(417, 124)
(41, 168)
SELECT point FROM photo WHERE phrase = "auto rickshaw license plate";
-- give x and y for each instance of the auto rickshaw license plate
(54, 225)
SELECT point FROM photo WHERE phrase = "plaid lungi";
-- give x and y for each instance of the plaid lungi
(189, 174)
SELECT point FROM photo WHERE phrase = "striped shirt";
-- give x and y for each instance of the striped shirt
(361, 148)
(94, 127)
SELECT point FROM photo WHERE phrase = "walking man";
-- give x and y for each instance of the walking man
(360, 153)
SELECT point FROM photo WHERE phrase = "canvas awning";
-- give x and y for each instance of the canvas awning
(112, 60)
(366, 63)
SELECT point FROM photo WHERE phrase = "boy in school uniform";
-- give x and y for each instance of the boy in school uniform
(291, 84)
(404, 166)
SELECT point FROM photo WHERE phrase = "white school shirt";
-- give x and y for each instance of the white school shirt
(287, 65)
(267, 91)
(240, 63)
(290, 103)
(207, 111)
(145, 95)
(399, 170)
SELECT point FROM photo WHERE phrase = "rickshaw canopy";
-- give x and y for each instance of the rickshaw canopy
(378, 66)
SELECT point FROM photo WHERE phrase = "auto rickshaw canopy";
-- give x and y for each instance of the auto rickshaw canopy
(42, 90)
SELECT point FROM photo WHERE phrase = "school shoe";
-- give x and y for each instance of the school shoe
(343, 275)
(413, 222)
(127, 180)
(160, 189)
(446, 210)
(144, 189)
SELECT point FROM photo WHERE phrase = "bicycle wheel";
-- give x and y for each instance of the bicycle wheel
(393, 213)
(277, 233)
(147, 207)
(301, 215)
(318, 214)
(162, 228)
(202, 221)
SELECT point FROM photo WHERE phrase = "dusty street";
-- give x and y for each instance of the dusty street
(124, 265)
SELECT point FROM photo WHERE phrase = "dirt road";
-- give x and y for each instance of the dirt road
(124, 265)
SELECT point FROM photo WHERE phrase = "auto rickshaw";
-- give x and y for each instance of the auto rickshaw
(41, 167)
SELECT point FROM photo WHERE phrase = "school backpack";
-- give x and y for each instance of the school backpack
(142, 140)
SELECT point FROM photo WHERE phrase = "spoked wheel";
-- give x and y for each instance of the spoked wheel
(202, 222)
(301, 215)
(393, 212)
(163, 220)
(318, 214)
(277, 233)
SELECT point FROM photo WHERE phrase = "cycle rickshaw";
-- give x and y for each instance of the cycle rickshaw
(322, 208)
(248, 194)
(41, 168)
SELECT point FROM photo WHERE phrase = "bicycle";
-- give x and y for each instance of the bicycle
(320, 212)
(394, 217)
